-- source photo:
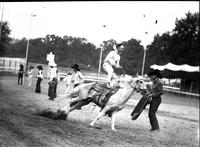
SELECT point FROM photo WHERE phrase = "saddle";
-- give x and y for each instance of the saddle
(102, 93)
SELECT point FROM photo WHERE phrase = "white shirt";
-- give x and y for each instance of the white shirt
(30, 73)
(113, 58)
(69, 79)
(78, 77)
(40, 74)
(53, 73)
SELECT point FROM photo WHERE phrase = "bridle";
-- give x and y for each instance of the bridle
(137, 82)
(134, 87)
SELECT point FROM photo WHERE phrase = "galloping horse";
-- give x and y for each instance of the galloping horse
(88, 93)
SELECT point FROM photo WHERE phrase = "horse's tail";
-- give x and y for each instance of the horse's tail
(82, 90)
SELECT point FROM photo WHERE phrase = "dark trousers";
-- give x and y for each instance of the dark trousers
(38, 88)
(152, 113)
(52, 90)
(20, 78)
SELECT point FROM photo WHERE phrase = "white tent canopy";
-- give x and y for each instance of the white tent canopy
(173, 67)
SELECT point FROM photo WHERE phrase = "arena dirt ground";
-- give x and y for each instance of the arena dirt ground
(21, 127)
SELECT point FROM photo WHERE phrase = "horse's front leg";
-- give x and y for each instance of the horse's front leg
(97, 118)
(113, 121)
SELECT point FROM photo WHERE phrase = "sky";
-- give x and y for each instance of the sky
(96, 21)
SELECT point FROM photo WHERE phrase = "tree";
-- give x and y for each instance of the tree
(107, 46)
(131, 59)
(4, 37)
(186, 40)
(179, 47)
(157, 51)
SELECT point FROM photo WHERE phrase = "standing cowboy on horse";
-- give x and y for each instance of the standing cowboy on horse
(112, 61)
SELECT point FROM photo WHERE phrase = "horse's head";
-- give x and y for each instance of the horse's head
(139, 85)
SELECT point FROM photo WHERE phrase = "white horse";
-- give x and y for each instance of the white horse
(93, 92)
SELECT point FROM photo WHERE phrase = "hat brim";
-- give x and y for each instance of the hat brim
(75, 67)
(40, 67)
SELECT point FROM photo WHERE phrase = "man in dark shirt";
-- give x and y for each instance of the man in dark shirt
(155, 98)
(20, 74)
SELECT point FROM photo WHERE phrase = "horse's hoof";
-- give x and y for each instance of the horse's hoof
(91, 125)
(113, 129)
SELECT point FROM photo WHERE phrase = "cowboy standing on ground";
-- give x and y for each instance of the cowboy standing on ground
(39, 79)
(30, 76)
(78, 77)
(155, 96)
(20, 74)
(68, 83)
(112, 59)
(53, 81)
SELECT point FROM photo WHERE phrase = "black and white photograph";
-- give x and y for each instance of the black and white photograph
(99, 74)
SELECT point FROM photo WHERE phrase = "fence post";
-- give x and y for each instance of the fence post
(15, 67)
(4, 62)
(9, 64)
(191, 86)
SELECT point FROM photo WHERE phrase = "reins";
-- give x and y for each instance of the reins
(134, 87)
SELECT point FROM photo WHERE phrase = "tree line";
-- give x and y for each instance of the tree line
(179, 46)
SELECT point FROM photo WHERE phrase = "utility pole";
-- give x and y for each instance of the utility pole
(1, 23)
(27, 46)
(100, 60)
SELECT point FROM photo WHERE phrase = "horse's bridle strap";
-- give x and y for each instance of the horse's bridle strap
(133, 87)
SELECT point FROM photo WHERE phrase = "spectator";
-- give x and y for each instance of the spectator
(40, 78)
(30, 75)
(20, 74)
(68, 83)
(78, 77)
(53, 72)
(52, 90)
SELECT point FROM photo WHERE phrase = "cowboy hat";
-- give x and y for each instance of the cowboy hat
(21, 66)
(75, 66)
(31, 67)
(118, 47)
(156, 73)
(40, 67)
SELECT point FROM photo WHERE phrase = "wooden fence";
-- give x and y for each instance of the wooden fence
(11, 65)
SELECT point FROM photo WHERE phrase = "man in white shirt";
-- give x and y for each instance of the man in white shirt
(78, 77)
(40, 78)
(30, 75)
(113, 59)
(69, 82)
(53, 72)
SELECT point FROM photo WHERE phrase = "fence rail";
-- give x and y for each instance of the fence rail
(170, 89)
(13, 66)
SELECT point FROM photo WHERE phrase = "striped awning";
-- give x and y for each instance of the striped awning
(173, 67)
